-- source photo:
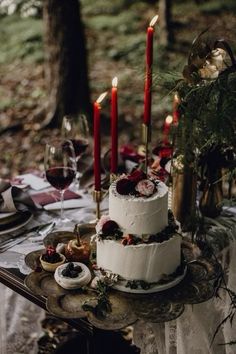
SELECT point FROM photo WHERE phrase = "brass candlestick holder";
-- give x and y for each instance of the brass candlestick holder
(113, 177)
(97, 197)
(146, 138)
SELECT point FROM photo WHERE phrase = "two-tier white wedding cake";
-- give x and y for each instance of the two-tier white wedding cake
(136, 241)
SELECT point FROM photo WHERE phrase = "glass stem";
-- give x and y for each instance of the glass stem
(62, 204)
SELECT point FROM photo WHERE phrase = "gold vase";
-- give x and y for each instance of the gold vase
(184, 191)
(210, 201)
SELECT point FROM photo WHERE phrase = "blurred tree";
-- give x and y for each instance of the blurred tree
(166, 30)
(65, 61)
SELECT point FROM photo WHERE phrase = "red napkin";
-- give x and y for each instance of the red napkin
(45, 198)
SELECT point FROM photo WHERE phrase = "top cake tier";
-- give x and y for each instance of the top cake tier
(139, 215)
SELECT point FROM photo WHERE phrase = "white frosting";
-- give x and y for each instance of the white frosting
(139, 215)
(147, 262)
(82, 279)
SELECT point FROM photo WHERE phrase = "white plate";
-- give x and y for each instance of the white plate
(154, 289)
(4, 215)
(16, 227)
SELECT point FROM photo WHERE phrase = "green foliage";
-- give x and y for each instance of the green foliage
(211, 109)
(21, 38)
(217, 6)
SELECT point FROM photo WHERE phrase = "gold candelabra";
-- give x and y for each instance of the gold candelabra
(113, 177)
(97, 197)
(146, 138)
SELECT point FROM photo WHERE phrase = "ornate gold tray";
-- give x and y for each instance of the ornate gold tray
(197, 286)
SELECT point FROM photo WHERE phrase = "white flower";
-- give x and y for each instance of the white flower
(101, 222)
(217, 58)
(214, 64)
(209, 71)
(178, 163)
(145, 187)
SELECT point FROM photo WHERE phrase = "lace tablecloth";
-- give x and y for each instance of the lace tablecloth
(20, 320)
(191, 333)
(194, 330)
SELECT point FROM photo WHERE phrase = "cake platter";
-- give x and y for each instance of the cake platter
(163, 302)
(121, 285)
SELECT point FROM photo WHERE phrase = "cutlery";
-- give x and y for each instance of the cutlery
(41, 230)
(24, 232)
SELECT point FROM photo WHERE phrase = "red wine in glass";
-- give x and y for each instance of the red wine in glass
(60, 177)
(80, 146)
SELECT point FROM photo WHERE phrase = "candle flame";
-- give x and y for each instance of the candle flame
(176, 98)
(115, 82)
(101, 97)
(153, 21)
(169, 119)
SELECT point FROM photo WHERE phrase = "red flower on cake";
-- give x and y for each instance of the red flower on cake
(106, 226)
(145, 187)
(101, 222)
(137, 176)
(127, 240)
(109, 228)
(125, 186)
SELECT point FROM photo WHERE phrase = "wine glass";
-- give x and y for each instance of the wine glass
(75, 128)
(60, 168)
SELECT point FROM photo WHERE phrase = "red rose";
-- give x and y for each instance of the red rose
(109, 228)
(137, 176)
(125, 186)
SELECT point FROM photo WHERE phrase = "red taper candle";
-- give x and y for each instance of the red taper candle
(114, 126)
(97, 141)
(148, 74)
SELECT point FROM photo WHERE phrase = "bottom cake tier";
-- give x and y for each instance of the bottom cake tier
(148, 262)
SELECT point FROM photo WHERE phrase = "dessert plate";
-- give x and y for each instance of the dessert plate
(68, 305)
(43, 284)
(10, 222)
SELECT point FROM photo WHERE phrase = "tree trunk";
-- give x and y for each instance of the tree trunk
(66, 65)
(166, 32)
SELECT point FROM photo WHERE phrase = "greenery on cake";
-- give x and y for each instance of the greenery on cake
(142, 284)
(108, 229)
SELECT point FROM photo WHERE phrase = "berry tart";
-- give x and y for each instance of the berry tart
(51, 259)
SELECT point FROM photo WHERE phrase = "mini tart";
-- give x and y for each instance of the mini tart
(51, 267)
(82, 279)
(77, 253)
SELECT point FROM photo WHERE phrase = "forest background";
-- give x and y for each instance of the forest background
(114, 34)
